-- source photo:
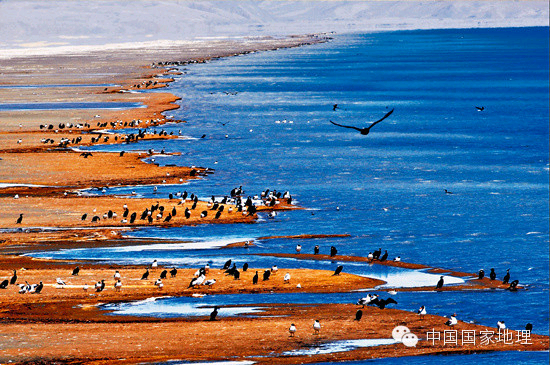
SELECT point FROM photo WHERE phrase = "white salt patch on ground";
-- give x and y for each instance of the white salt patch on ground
(10, 185)
(412, 278)
(163, 308)
(340, 346)
(192, 245)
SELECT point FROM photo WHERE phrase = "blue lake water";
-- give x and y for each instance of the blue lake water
(389, 185)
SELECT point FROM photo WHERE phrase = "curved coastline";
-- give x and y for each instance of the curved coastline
(71, 321)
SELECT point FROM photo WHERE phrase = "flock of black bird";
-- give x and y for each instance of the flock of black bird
(267, 196)
(23, 288)
(235, 202)
(505, 280)
(96, 137)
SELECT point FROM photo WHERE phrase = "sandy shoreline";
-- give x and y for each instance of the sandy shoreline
(33, 324)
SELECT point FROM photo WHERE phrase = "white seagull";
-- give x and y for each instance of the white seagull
(366, 300)
(292, 330)
(209, 282)
(60, 282)
(452, 321)
(287, 278)
(316, 327)
(298, 248)
(197, 281)
(422, 312)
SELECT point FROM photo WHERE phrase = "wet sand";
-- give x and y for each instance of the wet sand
(64, 325)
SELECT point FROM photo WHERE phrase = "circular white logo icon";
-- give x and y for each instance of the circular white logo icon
(404, 335)
(398, 332)
(409, 339)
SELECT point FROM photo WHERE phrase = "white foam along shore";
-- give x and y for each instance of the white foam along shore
(31, 28)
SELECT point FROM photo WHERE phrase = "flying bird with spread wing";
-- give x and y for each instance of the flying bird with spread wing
(365, 131)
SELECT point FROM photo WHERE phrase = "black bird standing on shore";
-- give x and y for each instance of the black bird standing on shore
(13, 279)
(163, 274)
(255, 279)
(506, 278)
(481, 274)
(359, 315)
(173, 272)
(384, 256)
(4, 284)
(20, 219)
(316, 250)
(245, 266)
(492, 274)
(338, 270)
(145, 274)
(76, 271)
(366, 130)
(214, 314)
(439, 283)
(333, 251)
(267, 274)
(529, 327)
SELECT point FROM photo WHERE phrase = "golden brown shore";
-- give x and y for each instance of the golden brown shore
(43, 175)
